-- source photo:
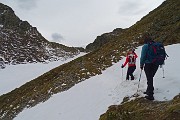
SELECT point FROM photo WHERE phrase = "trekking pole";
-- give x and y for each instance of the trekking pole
(139, 80)
(163, 71)
(122, 74)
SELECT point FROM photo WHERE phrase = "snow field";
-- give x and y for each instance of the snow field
(91, 98)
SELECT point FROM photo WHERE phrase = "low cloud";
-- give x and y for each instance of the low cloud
(27, 4)
(56, 37)
(131, 8)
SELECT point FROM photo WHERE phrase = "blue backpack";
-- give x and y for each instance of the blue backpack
(156, 53)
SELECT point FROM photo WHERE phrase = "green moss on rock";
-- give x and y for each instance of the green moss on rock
(142, 109)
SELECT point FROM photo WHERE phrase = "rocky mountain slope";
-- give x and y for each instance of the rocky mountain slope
(163, 23)
(103, 39)
(22, 43)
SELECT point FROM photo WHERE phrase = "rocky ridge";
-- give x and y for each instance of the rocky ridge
(22, 43)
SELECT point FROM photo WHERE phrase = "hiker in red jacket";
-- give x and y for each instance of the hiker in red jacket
(131, 60)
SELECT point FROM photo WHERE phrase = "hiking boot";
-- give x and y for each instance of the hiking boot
(149, 97)
(146, 93)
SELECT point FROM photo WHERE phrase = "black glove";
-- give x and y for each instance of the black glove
(122, 66)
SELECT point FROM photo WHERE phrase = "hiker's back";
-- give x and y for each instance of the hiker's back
(132, 59)
(156, 53)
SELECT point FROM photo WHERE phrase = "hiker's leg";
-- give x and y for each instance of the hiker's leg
(149, 75)
(132, 69)
(128, 72)
(154, 69)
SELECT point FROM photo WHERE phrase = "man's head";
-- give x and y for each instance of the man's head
(147, 38)
(133, 50)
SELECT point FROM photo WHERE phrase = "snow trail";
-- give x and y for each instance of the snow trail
(91, 98)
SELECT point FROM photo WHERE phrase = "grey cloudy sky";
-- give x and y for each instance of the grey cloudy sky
(79, 22)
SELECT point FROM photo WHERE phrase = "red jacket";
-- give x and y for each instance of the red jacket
(131, 59)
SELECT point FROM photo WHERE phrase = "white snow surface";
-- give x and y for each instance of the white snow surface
(91, 98)
(13, 76)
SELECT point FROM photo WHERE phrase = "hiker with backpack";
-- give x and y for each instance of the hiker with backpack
(152, 55)
(131, 60)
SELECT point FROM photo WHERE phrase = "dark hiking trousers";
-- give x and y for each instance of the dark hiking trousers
(150, 70)
(130, 71)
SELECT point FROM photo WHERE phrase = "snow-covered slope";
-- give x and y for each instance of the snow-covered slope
(90, 98)
(14, 76)
(22, 43)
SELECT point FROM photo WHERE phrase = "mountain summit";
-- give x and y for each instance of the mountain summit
(22, 43)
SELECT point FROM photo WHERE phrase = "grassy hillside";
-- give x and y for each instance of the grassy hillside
(163, 23)
(142, 109)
